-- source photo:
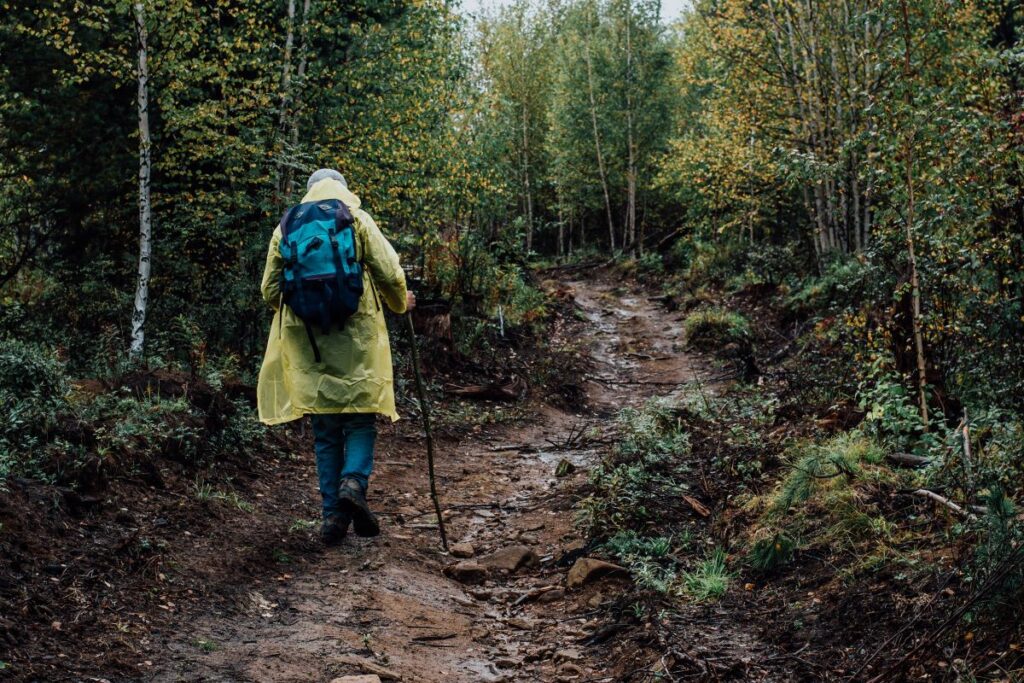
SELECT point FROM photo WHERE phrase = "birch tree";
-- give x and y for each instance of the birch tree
(145, 207)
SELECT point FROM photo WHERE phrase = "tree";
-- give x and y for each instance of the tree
(145, 171)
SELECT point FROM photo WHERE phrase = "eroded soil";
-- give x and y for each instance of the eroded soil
(387, 601)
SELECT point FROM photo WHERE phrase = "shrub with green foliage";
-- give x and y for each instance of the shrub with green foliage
(1002, 545)
(709, 329)
(627, 487)
(34, 388)
(771, 552)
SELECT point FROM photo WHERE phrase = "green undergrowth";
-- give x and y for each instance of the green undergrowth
(834, 497)
(709, 329)
(637, 503)
(830, 499)
(79, 434)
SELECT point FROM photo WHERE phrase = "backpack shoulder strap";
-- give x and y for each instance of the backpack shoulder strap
(286, 218)
(343, 219)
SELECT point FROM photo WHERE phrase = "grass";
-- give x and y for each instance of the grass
(709, 329)
(709, 579)
(204, 492)
(206, 646)
(302, 525)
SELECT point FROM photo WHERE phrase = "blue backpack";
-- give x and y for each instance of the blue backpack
(322, 279)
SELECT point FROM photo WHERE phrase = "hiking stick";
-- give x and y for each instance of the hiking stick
(421, 393)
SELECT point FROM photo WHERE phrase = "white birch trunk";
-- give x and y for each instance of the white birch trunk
(630, 151)
(300, 76)
(597, 148)
(286, 84)
(526, 181)
(145, 208)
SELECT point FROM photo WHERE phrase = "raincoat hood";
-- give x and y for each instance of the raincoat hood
(329, 188)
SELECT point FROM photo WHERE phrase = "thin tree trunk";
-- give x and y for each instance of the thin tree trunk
(597, 148)
(526, 181)
(915, 285)
(561, 227)
(286, 84)
(630, 151)
(301, 78)
(145, 207)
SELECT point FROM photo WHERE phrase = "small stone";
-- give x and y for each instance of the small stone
(521, 624)
(365, 678)
(586, 569)
(595, 600)
(511, 558)
(572, 552)
(569, 654)
(467, 572)
(551, 596)
(465, 602)
(506, 664)
(481, 594)
(463, 550)
(570, 669)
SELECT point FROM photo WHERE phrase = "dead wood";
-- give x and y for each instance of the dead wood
(509, 391)
(908, 460)
(698, 507)
(945, 502)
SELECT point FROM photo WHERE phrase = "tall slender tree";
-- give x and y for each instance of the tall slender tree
(145, 173)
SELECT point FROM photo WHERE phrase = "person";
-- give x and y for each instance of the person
(352, 383)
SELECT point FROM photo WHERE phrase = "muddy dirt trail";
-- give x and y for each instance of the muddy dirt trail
(387, 603)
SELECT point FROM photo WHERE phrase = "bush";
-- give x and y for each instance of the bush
(819, 467)
(772, 551)
(713, 328)
(628, 489)
(646, 558)
(34, 387)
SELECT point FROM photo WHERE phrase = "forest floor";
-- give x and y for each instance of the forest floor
(387, 603)
(171, 576)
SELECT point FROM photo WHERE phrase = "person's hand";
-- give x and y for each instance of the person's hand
(410, 301)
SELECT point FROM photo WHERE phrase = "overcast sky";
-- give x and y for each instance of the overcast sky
(670, 9)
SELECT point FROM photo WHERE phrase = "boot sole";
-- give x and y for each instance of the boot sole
(363, 522)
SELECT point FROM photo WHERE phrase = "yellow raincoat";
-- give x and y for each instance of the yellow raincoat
(355, 375)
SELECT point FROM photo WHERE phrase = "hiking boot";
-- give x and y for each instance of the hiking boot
(334, 529)
(353, 501)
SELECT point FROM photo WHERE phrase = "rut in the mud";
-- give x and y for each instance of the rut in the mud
(386, 605)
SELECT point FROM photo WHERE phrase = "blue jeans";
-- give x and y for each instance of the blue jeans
(344, 450)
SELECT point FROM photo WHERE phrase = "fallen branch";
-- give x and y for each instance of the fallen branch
(946, 502)
(510, 391)
(909, 460)
(533, 594)
(569, 267)
(698, 507)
